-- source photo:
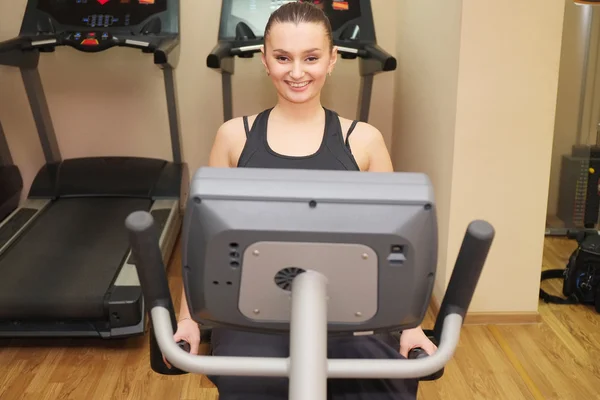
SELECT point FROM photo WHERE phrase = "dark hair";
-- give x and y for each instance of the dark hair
(297, 12)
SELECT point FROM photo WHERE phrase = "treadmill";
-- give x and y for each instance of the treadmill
(66, 268)
(11, 182)
(241, 34)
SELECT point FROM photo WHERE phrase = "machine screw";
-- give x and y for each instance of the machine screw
(256, 311)
(256, 253)
(358, 314)
(365, 256)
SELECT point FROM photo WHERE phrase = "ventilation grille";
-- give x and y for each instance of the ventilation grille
(284, 277)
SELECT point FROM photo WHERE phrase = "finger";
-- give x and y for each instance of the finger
(404, 350)
(166, 362)
(430, 348)
(194, 346)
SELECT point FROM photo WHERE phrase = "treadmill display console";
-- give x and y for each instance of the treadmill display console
(102, 13)
(255, 14)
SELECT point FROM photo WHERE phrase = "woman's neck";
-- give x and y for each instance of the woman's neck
(300, 112)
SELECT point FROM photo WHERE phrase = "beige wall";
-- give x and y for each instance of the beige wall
(112, 103)
(484, 133)
(428, 48)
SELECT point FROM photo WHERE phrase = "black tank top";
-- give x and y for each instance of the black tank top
(333, 154)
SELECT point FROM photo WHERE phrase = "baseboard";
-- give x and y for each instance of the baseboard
(494, 318)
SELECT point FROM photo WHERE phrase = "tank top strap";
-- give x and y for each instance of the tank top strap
(335, 141)
(246, 128)
(255, 136)
(352, 126)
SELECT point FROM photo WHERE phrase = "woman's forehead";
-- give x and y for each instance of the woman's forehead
(297, 36)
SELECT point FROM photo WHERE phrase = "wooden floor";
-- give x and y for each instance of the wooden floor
(557, 359)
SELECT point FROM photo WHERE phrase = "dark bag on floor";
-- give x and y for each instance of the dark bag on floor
(582, 275)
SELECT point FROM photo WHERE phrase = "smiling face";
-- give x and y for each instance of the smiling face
(298, 58)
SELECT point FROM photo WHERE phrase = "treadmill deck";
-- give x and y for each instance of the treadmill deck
(62, 267)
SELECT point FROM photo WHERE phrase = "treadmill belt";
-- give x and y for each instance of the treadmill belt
(64, 265)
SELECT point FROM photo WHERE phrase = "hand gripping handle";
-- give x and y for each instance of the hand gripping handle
(143, 237)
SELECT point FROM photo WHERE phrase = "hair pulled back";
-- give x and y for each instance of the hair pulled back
(297, 12)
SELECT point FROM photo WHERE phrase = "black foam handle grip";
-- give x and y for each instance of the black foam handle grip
(417, 353)
(387, 61)
(164, 50)
(467, 270)
(13, 54)
(12, 44)
(144, 241)
(218, 53)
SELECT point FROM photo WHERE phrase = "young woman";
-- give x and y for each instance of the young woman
(298, 132)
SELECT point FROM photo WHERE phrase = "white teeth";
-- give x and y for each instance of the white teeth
(298, 85)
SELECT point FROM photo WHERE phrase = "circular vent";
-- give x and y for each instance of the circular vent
(284, 277)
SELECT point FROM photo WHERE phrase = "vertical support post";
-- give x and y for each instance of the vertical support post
(308, 337)
(5, 156)
(227, 96)
(41, 114)
(172, 109)
(584, 73)
(364, 98)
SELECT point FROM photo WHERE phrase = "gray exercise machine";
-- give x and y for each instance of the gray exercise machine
(242, 27)
(66, 267)
(311, 253)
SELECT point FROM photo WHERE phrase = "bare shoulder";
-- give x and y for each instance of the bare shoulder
(368, 146)
(363, 133)
(231, 131)
(229, 143)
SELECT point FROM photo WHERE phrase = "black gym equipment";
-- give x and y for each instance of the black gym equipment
(579, 189)
(11, 182)
(241, 34)
(65, 263)
(322, 256)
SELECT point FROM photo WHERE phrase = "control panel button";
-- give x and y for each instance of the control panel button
(90, 42)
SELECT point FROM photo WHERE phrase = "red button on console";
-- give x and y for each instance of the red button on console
(90, 42)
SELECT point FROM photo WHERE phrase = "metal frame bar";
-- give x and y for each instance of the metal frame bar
(308, 338)
(227, 96)
(364, 98)
(172, 110)
(310, 327)
(5, 156)
(41, 114)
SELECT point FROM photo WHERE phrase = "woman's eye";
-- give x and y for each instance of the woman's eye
(282, 58)
(311, 59)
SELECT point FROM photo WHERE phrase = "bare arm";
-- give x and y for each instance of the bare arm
(379, 158)
(220, 158)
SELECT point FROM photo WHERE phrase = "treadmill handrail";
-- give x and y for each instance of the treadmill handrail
(167, 52)
(162, 49)
(15, 43)
(384, 60)
(13, 53)
(221, 51)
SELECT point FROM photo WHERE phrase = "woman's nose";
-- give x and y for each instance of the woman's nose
(297, 72)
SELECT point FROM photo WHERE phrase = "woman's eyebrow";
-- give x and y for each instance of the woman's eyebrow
(306, 51)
